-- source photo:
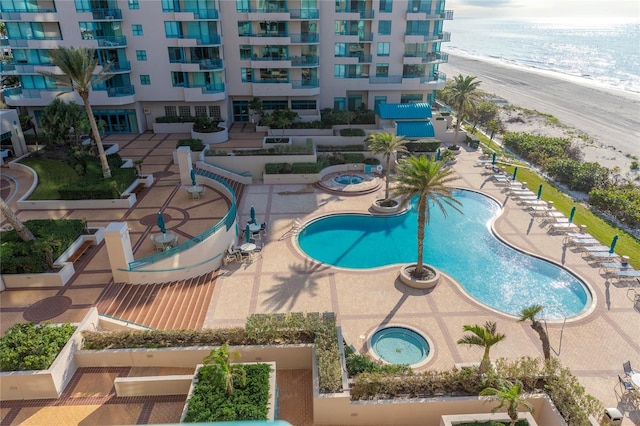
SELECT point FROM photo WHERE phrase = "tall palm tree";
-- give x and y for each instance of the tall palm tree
(223, 371)
(509, 394)
(463, 94)
(19, 227)
(386, 144)
(529, 313)
(426, 179)
(78, 65)
(484, 336)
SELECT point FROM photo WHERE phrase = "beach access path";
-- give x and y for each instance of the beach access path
(610, 117)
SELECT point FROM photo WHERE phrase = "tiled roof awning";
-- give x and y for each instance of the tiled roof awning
(415, 129)
(403, 111)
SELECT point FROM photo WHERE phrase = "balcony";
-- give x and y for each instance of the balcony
(361, 36)
(211, 39)
(270, 13)
(425, 58)
(304, 14)
(307, 87)
(304, 38)
(264, 39)
(362, 13)
(120, 66)
(208, 93)
(111, 41)
(305, 61)
(35, 43)
(18, 96)
(7, 68)
(117, 92)
(442, 37)
(120, 95)
(201, 14)
(106, 14)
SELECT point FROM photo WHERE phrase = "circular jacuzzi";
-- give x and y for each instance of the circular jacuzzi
(399, 345)
(348, 179)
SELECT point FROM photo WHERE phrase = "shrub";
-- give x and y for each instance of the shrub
(28, 346)
(623, 201)
(194, 144)
(175, 119)
(423, 145)
(206, 125)
(362, 363)
(341, 148)
(352, 132)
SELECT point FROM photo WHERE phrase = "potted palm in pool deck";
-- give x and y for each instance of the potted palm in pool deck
(386, 144)
(427, 180)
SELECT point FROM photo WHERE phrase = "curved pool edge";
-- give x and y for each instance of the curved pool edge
(369, 350)
(591, 304)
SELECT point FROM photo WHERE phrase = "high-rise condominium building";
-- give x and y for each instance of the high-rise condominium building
(212, 57)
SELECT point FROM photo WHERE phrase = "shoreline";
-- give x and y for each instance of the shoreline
(610, 117)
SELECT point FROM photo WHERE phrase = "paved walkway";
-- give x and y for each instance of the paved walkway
(593, 346)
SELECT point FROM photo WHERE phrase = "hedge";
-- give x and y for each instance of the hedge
(175, 119)
(423, 145)
(194, 144)
(27, 346)
(352, 132)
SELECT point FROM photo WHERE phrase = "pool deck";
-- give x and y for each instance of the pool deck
(593, 346)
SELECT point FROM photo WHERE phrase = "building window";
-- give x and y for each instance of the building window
(384, 27)
(145, 80)
(339, 104)
(339, 71)
(247, 75)
(133, 4)
(386, 6)
(136, 29)
(244, 28)
(177, 79)
(274, 105)
(141, 55)
(411, 98)
(201, 111)
(243, 6)
(184, 111)
(384, 48)
(175, 54)
(340, 50)
(382, 70)
(214, 111)
(304, 104)
(170, 111)
(379, 100)
(245, 51)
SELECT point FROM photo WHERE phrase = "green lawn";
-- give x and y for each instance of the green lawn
(51, 175)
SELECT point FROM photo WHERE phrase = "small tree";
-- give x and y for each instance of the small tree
(483, 336)
(529, 313)
(509, 394)
(223, 371)
(386, 144)
(464, 94)
(280, 119)
(19, 227)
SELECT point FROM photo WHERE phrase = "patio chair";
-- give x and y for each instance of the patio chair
(627, 274)
(626, 366)
(627, 386)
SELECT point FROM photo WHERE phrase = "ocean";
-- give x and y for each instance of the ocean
(599, 52)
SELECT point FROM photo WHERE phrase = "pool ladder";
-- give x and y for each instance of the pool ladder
(295, 229)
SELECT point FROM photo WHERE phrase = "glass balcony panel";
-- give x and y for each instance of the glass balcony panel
(304, 38)
(111, 41)
(304, 13)
(108, 14)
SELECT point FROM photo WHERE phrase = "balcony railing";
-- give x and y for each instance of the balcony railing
(304, 38)
(205, 64)
(120, 66)
(444, 36)
(116, 92)
(305, 84)
(198, 13)
(364, 13)
(8, 8)
(100, 14)
(428, 57)
(270, 34)
(304, 13)
(305, 61)
(213, 88)
(207, 39)
(361, 36)
(111, 41)
(272, 80)
(4, 41)
(36, 38)
(6, 67)
(390, 79)
(268, 9)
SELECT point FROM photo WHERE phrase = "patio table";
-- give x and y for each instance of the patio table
(166, 240)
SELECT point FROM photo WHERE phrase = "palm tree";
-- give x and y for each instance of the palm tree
(78, 66)
(463, 94)
(19, 227)
(529, 313)
(484, 336)
(222, 371)
(426, 179)
(386, 144)
(509, 394)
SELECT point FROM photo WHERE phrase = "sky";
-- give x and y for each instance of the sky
(544, 8)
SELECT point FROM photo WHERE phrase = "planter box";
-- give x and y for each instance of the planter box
(212, 138)
(291, 179)
(470, 418)
(284, 140)
(172, 127)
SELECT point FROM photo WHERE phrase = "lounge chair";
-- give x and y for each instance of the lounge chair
(564, 227)
(594, 249)
(608, 268)
(581, 242)
(626, 274)
(627, 386)
(601, 256)
(626, 366)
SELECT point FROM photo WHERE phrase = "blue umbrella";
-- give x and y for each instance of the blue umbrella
(252, 212)
(539, 191)
(613, 243)
(515, 172)
(247, 233)
(161, 224)
(573, 211)
(193, 177)
(438, 155)
(493, 158)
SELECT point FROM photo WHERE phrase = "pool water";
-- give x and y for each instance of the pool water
(399, 345)
(348, 179)
(461, 245)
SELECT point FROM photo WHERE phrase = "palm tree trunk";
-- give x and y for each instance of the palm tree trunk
(458, 125)
(422, 205)
(546, 346)
(485, 364)
(386, 178)
(19, 227)
(106, 172)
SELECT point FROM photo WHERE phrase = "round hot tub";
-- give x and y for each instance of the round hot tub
(399, 345)
(348, 179)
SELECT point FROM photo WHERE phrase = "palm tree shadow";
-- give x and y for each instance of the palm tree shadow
(530, 226)
(302, 279)
(406, 292)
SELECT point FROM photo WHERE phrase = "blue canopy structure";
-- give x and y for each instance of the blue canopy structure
(404, 111)
(415, 129)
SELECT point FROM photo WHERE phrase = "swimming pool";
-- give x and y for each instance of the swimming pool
(462, 246)
(399, 345)
(348, 179)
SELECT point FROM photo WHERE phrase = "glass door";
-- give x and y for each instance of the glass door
(241, 111)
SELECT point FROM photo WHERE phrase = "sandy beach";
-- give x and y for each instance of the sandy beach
(609, 117)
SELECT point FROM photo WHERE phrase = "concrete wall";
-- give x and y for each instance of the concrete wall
(10, 122)
(463, 418)
(153, 385)
(255, 164)
(49, 383)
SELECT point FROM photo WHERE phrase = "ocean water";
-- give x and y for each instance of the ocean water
(603, 52)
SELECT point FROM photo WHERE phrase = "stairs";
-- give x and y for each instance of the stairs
(167, 306)
(238, 188)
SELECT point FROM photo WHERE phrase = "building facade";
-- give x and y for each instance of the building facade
(212, 57)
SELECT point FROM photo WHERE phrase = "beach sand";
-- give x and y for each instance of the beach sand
(610, 118)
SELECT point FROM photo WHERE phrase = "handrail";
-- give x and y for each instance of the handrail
(228, 221)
